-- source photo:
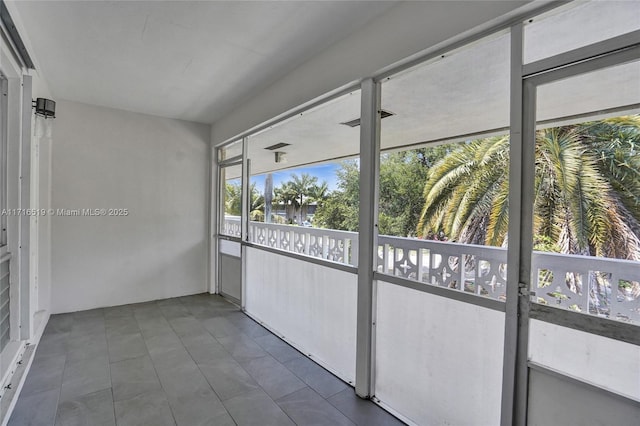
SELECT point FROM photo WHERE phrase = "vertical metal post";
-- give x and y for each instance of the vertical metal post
(527, 190)
(26, 323)
(214, 194)
(368, 232)
(244, 233)
(521, 185)
(4, 153)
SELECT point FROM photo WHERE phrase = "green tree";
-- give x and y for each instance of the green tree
(284, 195)
(319, 193)
(340, 208)
(402, 178)
(300, 191)
(233, 198)
(302, 186)
(233, 201)
(256, 207)
(586, 190)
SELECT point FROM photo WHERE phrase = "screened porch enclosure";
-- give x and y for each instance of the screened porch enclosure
(506, 308)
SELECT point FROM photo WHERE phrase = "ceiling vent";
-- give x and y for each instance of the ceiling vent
(355, 123)
(277, 146)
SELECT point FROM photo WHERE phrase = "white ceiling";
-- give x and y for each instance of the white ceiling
(192, 60)
(463, 93)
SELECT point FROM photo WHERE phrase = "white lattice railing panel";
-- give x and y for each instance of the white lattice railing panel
(592, 285)
(231, 226)
(329, 244)
(474, 269)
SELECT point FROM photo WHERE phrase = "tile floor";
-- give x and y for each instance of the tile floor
(188, 361)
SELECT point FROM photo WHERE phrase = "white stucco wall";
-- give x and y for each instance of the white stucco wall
(154, 167)
(310, 305)
(438, 361)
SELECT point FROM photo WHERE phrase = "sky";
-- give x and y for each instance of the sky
(324, 172)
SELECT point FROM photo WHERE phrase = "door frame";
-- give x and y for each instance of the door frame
(219, 163)
(598, 56)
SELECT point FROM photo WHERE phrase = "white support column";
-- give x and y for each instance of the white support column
(26, 316)
(244, 233)
(368, 232)
(214, 191)
(521, 175)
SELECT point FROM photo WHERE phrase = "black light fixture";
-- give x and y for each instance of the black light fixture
(45, 107)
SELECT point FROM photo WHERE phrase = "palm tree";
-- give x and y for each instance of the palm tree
(256, 206)
(302, 186)
(285, 195)
(587, 190)
(233, 201)
(319, 193)
(233, 198)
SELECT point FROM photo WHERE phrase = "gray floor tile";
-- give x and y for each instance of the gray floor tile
(174, 359)
(220, 327)
(228, 378)
(45, 374)
(126, 346)
(247, 325)
(277, 348)
(82, 347)
(89, 327)
(84, 386)
(256, 408)
(222, 420)
(59, 323)
(188, 327)
(133, 377)
(192, 400)
(154, 326)
(94, 409)
(174, 310)
(164, 365)
(84, 319)
(117, 311)
(149, 316)
(272, 376)
(201, 309)
(88, 314)
(319, 379)
(121, 325)
(360, 411)
(75, 369)
(148, 409)
(162, 343)
(52, 344)
(85, 377)
(25, 414)
(306, 407)
(204, 349)
(242, 347)
(146, 310)
(184, 380)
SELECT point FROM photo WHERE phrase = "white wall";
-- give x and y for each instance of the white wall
(553, 400)
(311, 305)
(438, 361)
(406, 29)
(154, 167)
(600, 361)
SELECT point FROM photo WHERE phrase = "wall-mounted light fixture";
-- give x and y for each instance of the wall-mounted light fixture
(281, 157)
(45, 107)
